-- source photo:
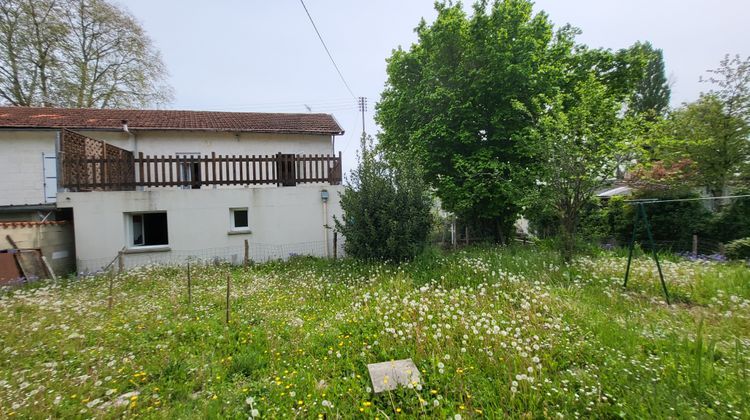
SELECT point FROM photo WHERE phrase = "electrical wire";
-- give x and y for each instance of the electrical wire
(327, 51)
(675, 200)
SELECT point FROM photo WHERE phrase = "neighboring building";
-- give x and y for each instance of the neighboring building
(173, 185)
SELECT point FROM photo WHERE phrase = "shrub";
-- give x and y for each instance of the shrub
(732, 221)
(672, 223)
(386, 210)
(738, 249)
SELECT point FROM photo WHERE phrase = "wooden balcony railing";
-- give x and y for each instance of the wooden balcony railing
(194, 171)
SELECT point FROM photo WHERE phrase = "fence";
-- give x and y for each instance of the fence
(107, 166)
(256, 252)
(96, 173)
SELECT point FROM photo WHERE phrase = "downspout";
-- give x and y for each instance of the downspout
(58, 162)
(324, 197)
(133, 141)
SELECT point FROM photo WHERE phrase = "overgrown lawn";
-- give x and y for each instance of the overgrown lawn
(494, 332)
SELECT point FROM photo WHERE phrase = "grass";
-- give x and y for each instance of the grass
(494, 332)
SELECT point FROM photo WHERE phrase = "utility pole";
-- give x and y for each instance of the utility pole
(362, 101)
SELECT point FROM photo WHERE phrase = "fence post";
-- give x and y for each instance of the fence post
(110, 300)
(335, 245)
(120, 262)
(695, 245)
(247, 253)
(466, 237)
(229, 275)
(453, 233)
(190, 286)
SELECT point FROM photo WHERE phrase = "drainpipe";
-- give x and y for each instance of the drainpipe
(324, 197)
(132, 141)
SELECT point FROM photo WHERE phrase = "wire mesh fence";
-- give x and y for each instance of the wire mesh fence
(256, 253)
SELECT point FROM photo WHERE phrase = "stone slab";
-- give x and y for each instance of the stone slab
(387, 376)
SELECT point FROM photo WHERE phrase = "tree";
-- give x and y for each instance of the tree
(77, 53)
(652, 93)
(464, 101)
(731, 83)
(579, 139)
(714, 139)
(461, 101)
(386, 210)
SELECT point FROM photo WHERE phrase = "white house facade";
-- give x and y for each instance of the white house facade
(174, 186)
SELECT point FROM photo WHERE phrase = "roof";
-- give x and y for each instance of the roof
(113, 119)
(26, 224)
(611, 192)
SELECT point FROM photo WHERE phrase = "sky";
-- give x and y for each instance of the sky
(264, 56)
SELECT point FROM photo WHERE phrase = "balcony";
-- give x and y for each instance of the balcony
(124, 172)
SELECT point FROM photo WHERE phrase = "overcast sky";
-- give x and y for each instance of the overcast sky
(258, 55)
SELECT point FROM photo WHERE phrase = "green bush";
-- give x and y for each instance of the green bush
(738, 249)
(732, 221)
(672, 223)
(386, 211)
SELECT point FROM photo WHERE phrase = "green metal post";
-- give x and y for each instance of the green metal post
(653, 249)
(630, 250)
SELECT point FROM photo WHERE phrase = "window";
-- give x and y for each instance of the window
(190, 170)
(238, 220)
(147, 229)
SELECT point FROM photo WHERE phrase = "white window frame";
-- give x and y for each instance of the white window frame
(131, 236)
(233, 229)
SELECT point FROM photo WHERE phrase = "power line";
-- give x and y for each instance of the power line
(675, 200)
(326, 48)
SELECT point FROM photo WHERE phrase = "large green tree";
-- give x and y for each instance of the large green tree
(461, 102)
(465, 100)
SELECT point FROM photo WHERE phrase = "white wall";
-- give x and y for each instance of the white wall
(21, 175)
(21, 170)
(282, 220)
(222, 143)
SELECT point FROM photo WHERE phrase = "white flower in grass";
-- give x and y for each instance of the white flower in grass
(457, 417)
(249, 400)
(254, 413)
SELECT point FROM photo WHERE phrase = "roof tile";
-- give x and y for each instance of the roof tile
(84, 118)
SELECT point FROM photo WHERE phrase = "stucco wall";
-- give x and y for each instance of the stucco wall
(205, 142)
(283, 221)
(21, 175)
(55, 239)
(21, 167)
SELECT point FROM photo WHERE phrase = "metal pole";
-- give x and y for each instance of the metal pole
(335, 245)
(653, 249)
(228, 283)
(630, 248)
(190, 292)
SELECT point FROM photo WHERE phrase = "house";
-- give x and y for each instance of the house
(169, 186)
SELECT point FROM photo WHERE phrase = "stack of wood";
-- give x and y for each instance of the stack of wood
(18, 266)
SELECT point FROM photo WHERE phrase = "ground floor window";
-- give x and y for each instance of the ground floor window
(238, 219)
(148, 229)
